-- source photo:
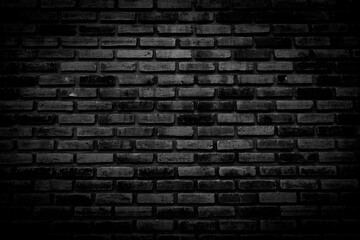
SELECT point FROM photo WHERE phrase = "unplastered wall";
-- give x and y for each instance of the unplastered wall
(179, 119)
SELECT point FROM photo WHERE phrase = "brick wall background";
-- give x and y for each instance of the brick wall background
(179, 119)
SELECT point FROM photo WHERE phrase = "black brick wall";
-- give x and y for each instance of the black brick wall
(179, 119)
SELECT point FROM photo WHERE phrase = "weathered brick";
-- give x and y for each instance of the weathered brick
(213, 30)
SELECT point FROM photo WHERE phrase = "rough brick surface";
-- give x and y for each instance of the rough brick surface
(179, 119)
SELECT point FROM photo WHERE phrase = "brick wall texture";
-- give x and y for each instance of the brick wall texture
(179, 119)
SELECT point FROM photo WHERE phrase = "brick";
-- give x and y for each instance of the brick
(178, 79)
(236, 67)
(173, 54)
(108, 42)
(229, 118)
(251, 29)
(215, 80)
(135, 106)
(131, 185)
(252, 54)
(176, 132)
(218, 211)
(196, 42)
(333, 105)
(294, 105)
(133, 211)
(290, 28)
(208, 158)
(205, 106)
(135, 132)
(312, 41)
(297, 184)
(58, 4)
(256, 131)
(166, 212)
(97, 4)
(196, 225)
(278, 197)
(175, 106)
(281, 171)
(157, 67)
(234, 41)
(75, 145)
(161, 17)
(225, 145)
(195, 17)
(163, 198)
(274, 66)
(135, 29)
(230, 172)
(95, 54)
(137, 4)
(196, 171)
(78, 67)
(194, 144)
(175, 4)
(113, 198)
(79, 42)
(233, 17)
(198, 119)
(193, 92)
(154, 144)
(244, 106)
(115, 172)
(291, 54)
(155, 225)
(275, 144)
(175, 185)
(40, 67)
(196, 67)
(118, 93)
(315, 143)
(135, 158)
(94, 158)
(177, 29)
(136, 79)
(215, 131)
(78, 17)
(257, 4)
(213, 30)
(117, 17)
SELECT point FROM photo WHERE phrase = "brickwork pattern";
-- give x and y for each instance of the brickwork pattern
(180, 119)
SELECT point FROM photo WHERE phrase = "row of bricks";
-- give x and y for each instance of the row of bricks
(161, 118)
(183, 29)
(223, 131)
(223, 172)
(184, 211)
(237, 17)
(189, 42)
(172, 4)
(178, 79)
(337, 21)
(164, 93)
(203, 158)
(259, 54)
(163, 66)
(204, 106)
(161, 228)
(110, 198)
(168, 145)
